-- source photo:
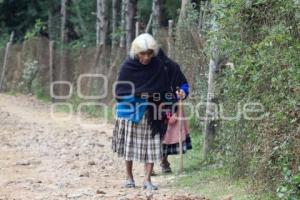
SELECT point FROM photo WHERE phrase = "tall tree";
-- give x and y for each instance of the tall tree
(98, 26)
(202, 15)
(66, 30)
(115, 11)
(182, 14)
(123, 24)
(156, 11)
(130, 21)
(52, 12)
(98, 22)
(102, 22)
(63, 12)
(50, 25)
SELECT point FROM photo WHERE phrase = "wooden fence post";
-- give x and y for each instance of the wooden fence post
(51, 44)
(170, 38)
(5, 59)
(210, 111)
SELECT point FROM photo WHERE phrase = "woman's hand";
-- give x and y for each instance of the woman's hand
(180, 94)
(172, 119)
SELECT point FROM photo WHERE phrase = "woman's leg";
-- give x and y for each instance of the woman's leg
(165, 165)
(164, 160)
(129, 174)
(149, 169)
(147, 181)
(153, 172)
(129, 182)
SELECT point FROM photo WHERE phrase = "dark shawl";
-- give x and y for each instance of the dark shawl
(161, 75)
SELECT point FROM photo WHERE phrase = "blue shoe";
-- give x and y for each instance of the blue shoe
(149, 186)
(129, 183)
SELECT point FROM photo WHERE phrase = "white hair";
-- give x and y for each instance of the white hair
(142, 43)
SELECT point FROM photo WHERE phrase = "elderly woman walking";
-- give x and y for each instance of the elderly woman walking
(141, 105)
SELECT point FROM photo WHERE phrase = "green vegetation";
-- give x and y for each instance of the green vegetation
(211, 180)
(31, 18)
(259, 40)
(262, 39)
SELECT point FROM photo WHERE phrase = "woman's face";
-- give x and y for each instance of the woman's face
(145, 57)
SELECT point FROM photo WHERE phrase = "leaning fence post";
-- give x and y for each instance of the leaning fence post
(5, 59)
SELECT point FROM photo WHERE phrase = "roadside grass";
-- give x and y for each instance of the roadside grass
(209, 180)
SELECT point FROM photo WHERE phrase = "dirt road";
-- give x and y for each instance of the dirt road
(44, 156)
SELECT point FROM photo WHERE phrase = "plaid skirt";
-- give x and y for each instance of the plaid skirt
(173, 149)
(134, 141)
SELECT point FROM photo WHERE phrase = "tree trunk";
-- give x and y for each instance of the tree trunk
(115, 11)
(54, 15)
(156, 10)
(130, 21)
(202, 15)
(123, 24)
(98, 25)
(210, 111)
(182, 14)
(180, 27)
(50, 25)
(64, 37)
(149, 23)
(103, 22)
(63, 13)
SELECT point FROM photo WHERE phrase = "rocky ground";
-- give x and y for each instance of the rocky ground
(54, 156)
